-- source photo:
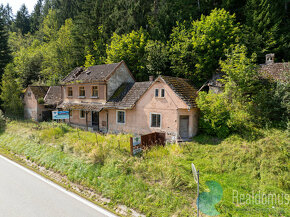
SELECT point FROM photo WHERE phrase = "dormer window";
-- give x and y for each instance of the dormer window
(69, 92)
(95, 91)
(82, 92)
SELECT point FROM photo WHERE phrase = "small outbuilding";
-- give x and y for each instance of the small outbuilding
(34, 102)
(39, 101)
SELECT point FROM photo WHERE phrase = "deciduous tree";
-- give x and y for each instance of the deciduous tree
(195, 51)
(130, 48)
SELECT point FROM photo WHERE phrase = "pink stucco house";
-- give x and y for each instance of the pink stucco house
(40, 101)
(33, 108)
(107, 98)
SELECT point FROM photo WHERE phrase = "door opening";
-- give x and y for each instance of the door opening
(183, 126)
(95, 120)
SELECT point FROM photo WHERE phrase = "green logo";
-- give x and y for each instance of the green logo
(207, 200)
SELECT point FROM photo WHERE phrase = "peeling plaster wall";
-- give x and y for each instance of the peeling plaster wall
(137, 120)
(121, 75)
(30, 105)
(76, 120)
(88, 90)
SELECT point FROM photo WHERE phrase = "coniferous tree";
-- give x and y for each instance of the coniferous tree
(22, 21)
(36, 16)
(6, 13)
(262, 25)
(4, 49)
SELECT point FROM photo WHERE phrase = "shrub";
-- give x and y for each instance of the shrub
(221, 116)
(214, 114)
(40, 100)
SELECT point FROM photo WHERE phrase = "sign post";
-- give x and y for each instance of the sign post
(57, 115)
(196, 178)
(135, 143)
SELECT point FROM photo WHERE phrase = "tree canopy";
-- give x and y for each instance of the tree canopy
(177, 38)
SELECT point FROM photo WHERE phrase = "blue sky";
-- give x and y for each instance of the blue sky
(16, 4)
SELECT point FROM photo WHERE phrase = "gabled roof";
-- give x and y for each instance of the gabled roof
(93, 73)
(274, 71)
(182, 88)
(39, 91)
(126, 96)
(53, 95)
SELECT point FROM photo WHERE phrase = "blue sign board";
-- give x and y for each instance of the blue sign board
(56, 115)
(137, 148)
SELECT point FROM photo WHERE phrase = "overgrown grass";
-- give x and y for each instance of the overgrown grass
(160, 182)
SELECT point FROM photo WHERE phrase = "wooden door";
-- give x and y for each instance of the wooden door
(183, 126)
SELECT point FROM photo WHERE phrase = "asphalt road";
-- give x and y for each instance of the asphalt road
(24, 193)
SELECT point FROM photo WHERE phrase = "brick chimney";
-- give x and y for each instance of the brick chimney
(151, 78)
(270, 58)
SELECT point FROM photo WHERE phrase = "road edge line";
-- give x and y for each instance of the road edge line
(62, 189)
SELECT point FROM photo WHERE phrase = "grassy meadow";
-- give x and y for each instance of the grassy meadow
(159, 182)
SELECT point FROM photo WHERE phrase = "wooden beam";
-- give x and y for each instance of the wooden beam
(87, 127)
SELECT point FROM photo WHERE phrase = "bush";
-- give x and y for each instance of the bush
(40, 100)
(214, 114)
(221, 116)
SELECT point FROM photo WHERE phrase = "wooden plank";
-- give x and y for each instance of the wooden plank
(131, 145)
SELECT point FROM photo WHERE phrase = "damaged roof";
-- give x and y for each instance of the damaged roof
(274, 71)
(53, 95)
(182, 88)
(82, 106)
(92, 73)
(126, 96)
(39, 91)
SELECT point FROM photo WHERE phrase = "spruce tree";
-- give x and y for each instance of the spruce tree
(22, 21)
(262, 25)
(4, 49)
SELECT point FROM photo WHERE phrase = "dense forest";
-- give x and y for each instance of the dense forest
(183, 38)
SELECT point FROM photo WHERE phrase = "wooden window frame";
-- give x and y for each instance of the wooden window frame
(93, 96)
(81, 114)
(117, 117)
(151, 119)
(82, 96)
(68, 91)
